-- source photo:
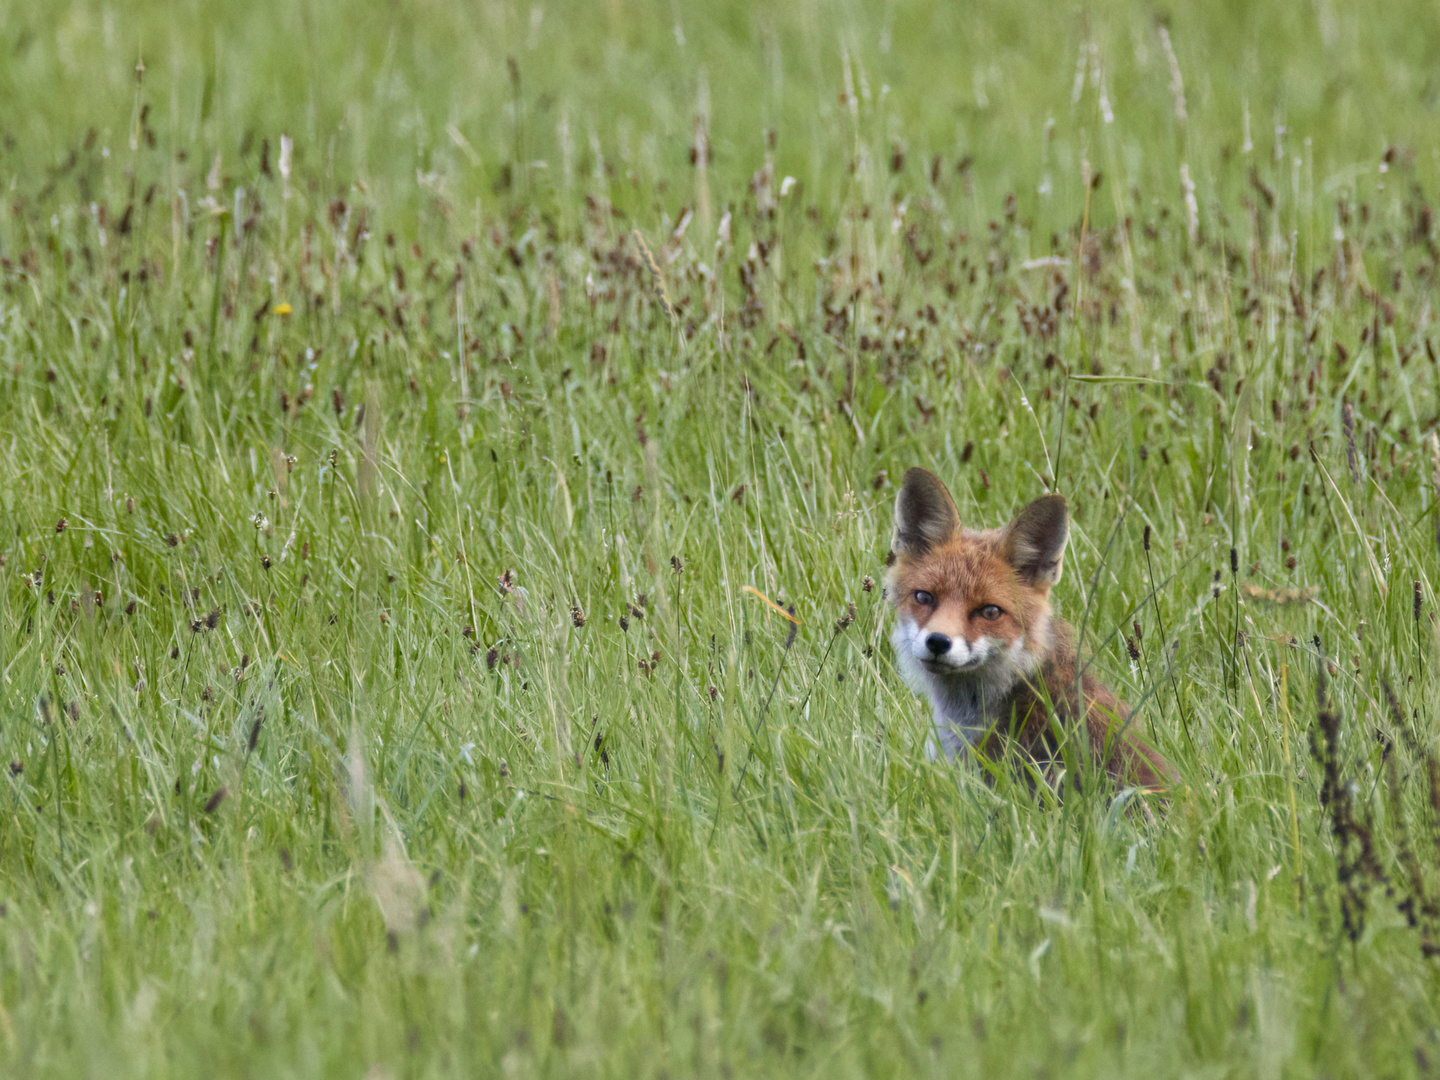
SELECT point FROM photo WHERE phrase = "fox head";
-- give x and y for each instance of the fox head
(972, 604)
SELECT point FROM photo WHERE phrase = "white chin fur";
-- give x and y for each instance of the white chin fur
(965, 685)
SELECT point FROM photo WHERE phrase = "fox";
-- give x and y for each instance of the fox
(974, 632)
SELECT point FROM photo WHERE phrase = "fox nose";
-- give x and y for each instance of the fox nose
(937, 643)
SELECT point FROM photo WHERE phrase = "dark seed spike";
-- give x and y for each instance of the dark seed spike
(1347, 421)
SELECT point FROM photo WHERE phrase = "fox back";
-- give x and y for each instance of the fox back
(974, 632)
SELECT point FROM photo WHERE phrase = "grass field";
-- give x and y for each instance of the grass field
(398, 403)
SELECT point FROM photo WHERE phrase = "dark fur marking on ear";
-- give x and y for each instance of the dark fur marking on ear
(1035, 540)
(925, 514)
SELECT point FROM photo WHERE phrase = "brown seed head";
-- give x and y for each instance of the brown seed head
(657, 277)
(1347, 421)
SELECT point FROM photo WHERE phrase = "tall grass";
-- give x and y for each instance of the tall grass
(383, 688)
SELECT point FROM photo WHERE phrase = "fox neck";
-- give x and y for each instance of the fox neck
(967, 704)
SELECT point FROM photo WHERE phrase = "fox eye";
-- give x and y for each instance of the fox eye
(924, 598)
(990, 612)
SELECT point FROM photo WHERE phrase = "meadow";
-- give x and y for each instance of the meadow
(447, 453)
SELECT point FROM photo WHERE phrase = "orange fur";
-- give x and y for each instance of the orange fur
(974, 632)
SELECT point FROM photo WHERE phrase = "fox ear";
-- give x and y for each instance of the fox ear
(1035, 540)
(925, 515)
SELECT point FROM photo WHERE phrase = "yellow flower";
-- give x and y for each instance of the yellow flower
(283, 308)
